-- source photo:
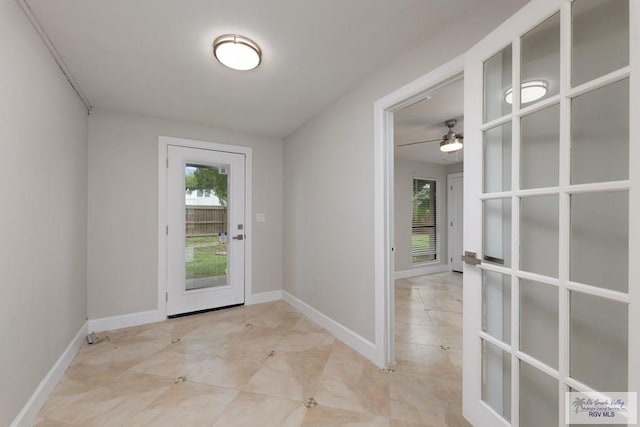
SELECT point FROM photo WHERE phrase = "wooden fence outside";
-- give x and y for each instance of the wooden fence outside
(205, 220)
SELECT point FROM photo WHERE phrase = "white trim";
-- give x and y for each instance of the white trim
(262, 297)
(409, 94)
(414, 272)
(353, 340)
(163, 143)
(29, 412)
(450, 236)
(124, 321)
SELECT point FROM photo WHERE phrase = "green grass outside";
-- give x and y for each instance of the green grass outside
(209, 257)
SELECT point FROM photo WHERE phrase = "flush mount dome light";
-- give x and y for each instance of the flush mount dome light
(531, 91)
(237, 52)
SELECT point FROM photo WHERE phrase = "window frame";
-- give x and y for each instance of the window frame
(437, 251)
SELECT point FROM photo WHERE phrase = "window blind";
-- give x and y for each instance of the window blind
(424, 226)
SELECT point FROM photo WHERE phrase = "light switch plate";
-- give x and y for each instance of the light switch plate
(261, 217)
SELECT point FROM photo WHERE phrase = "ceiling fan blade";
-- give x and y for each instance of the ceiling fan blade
(418, 142)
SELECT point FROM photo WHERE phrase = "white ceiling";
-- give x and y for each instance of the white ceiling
(154, 56)
(425, 121)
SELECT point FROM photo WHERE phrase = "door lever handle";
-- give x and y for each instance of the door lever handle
(238, 237)
(470, 258)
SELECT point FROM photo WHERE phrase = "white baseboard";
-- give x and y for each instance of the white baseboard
(414, 272)
(29, 412)
(355, 341)
(124, 321)
(263, 297)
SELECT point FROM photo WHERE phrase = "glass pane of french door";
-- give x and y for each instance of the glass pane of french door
(555, 213)
(206, 226)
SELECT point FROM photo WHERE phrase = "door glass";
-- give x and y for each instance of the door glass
(496, 379)
(206, 228)
(497, 231)
(496, 305)
(600, 134)
(497, 158)
(599, 342)
(539, 321)
(539, 150)
(600, 239)
(541, 61)
(600, 38)
(538, 398)
(539, 235)
(497, 81)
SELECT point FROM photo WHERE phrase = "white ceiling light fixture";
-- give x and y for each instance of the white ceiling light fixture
(237, 52)
(531, 91)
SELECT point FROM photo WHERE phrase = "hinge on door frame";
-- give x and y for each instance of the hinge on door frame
(167, 230)
(167, 162)
(166, 297)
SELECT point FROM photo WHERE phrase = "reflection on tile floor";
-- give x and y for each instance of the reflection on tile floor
(258, 365)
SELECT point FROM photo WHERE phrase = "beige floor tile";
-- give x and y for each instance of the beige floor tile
(424, 399)
(424, 360)
(45, 422)
(415, 315)
(230, 369)
(293, 375)
(170, 363)
(446, 319)
(410, 333)
(251, 409)
(185, 404)
(324, 416)
(351, 382)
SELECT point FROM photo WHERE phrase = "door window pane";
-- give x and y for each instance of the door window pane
(538, 398)
(539, 235)
(496, 305)
(539, 150)
(600, 38)
(541, 61)
(496, 144)
(600, 134)
(600, 239)
(599, 342)
(206, 228)
(539, 321)
(496, 234)
(496, 379)
(497, 80)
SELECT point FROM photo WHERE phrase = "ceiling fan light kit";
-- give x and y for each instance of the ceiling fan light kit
(451, 141)
(237, 52)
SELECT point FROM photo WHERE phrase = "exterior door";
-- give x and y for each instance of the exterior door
(206, 240)
(552, 210)
(456, 210)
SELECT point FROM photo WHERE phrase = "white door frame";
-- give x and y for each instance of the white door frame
(449, 216)
(384, 108)
(164, 142)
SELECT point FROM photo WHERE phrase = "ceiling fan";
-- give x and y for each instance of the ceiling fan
(449, 142)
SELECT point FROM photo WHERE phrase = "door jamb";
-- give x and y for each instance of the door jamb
(450, 214)
(163, 144)
(384, 108)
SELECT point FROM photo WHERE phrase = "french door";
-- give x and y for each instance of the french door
(206, 240)
(552, 211)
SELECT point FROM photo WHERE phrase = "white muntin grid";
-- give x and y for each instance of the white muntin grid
(563, 191)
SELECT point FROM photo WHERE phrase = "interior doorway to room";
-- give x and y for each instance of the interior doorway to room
(427, 230)
(205, 229)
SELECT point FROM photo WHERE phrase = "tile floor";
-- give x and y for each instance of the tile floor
(267, 365)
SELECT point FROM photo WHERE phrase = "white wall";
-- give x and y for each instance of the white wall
(43, 173)
(329, 182)
(123, 208)
(404, 172)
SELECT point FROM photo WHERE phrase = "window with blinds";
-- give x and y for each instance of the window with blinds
(424, 226)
